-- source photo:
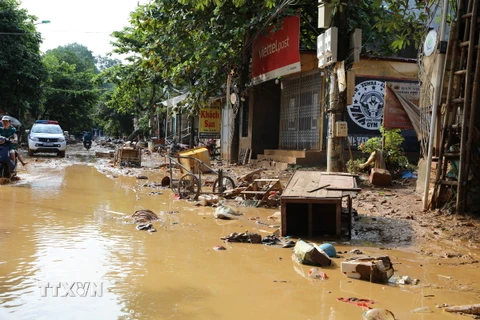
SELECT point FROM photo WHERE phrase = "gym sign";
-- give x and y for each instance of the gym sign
(366, 109)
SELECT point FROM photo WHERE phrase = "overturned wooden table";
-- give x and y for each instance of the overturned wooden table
(311, 204)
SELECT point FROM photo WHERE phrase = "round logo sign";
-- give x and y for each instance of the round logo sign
(430, 42)
(367, 107)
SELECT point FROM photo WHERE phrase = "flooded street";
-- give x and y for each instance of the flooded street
(68, 224)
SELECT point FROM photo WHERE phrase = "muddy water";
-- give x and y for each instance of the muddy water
(72, 225)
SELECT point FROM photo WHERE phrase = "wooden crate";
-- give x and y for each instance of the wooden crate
(128, 157)
(311, 204)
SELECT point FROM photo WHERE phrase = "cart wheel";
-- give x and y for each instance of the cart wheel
(227, 184)
(188, 186)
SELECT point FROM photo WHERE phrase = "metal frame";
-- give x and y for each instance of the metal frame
(174, 161)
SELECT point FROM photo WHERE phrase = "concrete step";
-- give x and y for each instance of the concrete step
(277, 157)
(299, 157)
(271, 165)
(291, 153)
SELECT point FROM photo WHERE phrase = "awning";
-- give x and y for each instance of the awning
(400, 113)
(174, 101)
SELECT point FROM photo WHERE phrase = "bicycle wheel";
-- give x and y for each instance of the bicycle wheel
(188, 187)
(227, 183)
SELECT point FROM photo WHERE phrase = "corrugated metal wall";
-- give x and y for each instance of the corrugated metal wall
(300, 114)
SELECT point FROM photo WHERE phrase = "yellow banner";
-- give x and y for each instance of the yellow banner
(210, 122)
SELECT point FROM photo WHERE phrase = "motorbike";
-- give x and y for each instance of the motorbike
(172, 148)
(87, 144)
(7, 166)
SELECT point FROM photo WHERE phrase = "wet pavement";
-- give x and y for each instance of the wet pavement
(68, 223)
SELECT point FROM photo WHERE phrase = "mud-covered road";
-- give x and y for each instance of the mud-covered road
(67, 223)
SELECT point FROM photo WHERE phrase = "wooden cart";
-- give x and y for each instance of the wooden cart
(190, 183)
(128, 157)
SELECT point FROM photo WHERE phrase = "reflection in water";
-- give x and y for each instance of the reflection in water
(83, 233)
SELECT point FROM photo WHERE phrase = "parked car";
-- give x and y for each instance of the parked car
(47, 136)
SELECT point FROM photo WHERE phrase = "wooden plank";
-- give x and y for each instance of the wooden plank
(253, 192)
(308, 181)
(297, 187)
(319, 188)
(333, 194)
(303, 182)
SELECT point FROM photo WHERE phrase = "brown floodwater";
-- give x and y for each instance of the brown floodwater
(72, 224)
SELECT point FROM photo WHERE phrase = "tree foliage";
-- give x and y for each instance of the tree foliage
(192, 48)
(21, 68)
(70, 91)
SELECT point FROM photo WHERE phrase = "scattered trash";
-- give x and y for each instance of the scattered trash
(208, 200)
(378, 314)
(422, 310)
(219, 248)
(403, 280)
(146, 226)
(250, 203)
(409, 175)
(243, 237)
(373, 269)
(276, 216)
(226, 212)
(329, 249)
(274, 240)
(315, 273)
(364, 303)
(165, 181)
(356, 251)
(468, 309)
(310, 254)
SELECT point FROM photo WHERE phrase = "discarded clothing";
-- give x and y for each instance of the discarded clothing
(364, 303)
(273, 240)
(226, 212)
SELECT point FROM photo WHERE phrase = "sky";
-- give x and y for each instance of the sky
(87, 22)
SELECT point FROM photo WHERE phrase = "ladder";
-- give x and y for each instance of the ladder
(459, 114)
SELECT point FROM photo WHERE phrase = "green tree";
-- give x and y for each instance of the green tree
(404, 20)
(21, 68)
(70, 91)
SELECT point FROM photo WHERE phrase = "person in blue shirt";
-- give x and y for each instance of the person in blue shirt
(87, 137)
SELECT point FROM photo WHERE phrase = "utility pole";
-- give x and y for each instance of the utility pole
(337, 102)
(335, 162)
(437, 99)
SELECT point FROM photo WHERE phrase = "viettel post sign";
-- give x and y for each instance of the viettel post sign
(210, 122)
(277, 53)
